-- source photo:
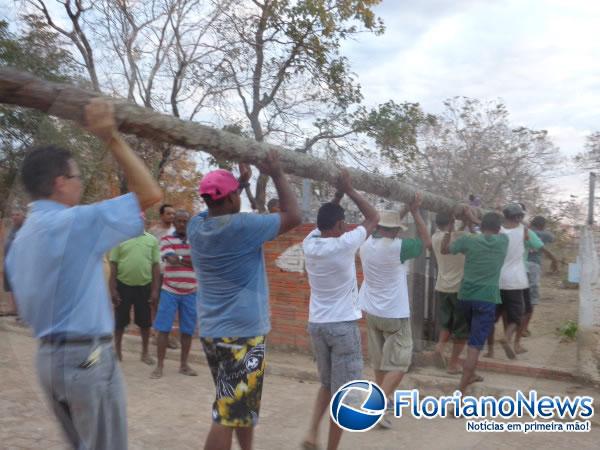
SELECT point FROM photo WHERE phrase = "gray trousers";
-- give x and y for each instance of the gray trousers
(90, 403)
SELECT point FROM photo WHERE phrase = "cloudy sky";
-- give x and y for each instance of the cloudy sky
(541, 57)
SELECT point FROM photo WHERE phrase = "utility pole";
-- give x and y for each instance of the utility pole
(590, 220)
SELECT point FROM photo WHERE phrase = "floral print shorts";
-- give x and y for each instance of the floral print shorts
(238, 367)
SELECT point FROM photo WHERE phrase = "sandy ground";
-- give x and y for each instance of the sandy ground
(174, 412)
(546, 347)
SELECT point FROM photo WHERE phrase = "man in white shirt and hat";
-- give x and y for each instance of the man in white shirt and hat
(329, 253)
(384, 298)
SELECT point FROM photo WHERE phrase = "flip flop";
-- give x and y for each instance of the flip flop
(188, 371)
(148, 360)
(454, 372)
(510, 353)
(439, 360)
(156, 374)
(475, 379)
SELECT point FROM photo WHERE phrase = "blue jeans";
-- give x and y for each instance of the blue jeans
(89, 403)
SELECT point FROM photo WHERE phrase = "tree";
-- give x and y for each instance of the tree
(65, 102)
(273, 69)
(590, 158)
(38, 50)
(283, 59)
(471, 148)
(157, 53)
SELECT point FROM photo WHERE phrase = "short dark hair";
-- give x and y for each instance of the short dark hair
(329, 214)
(164, 206)
(181, 212)
(273, 202)
(491, 222)
(538, 222)
(442, 219)
(41, 166)
(213, 203)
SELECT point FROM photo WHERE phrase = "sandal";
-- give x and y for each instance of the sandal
(188, 371)
(439, 360)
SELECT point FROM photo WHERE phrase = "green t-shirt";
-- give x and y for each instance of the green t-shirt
(484, 257)
(135, 258)
(411, 248)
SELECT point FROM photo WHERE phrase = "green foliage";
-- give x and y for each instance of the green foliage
(394, 128)
(568, 329)
(38, 50)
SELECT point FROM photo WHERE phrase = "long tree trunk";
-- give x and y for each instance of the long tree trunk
(67, 102)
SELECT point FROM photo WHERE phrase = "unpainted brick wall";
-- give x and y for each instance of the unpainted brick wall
(290, 296)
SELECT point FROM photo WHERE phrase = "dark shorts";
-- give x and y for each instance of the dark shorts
(139, 298)
(237, 366)
(480, 317)
(527, 301)
(7, 286)
(451, 315)
(513, 304)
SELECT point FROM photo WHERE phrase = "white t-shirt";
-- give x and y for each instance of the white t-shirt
(450, 267)
(331, 268)
(514, 274)
(384, 292)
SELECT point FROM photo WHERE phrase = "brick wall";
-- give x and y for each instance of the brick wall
(290, 294)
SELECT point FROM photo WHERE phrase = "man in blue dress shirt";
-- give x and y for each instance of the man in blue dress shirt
(55, 268)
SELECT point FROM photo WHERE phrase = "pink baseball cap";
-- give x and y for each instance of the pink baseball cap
(218, 184)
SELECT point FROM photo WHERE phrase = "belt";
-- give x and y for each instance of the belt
(83, 340)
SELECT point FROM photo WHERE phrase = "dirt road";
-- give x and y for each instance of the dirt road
(174, 413)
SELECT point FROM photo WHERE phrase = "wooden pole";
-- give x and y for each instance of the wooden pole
(67, 102)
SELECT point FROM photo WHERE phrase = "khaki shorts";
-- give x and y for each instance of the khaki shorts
(390, 343)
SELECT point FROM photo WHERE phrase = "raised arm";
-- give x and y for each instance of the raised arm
(289, 211)
(344, 184)
(422, 230)
(445, 247)
(100, 120)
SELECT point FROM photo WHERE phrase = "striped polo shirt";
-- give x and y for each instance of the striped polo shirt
(177, 279)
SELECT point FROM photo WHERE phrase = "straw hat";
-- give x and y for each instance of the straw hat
(390, 219)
